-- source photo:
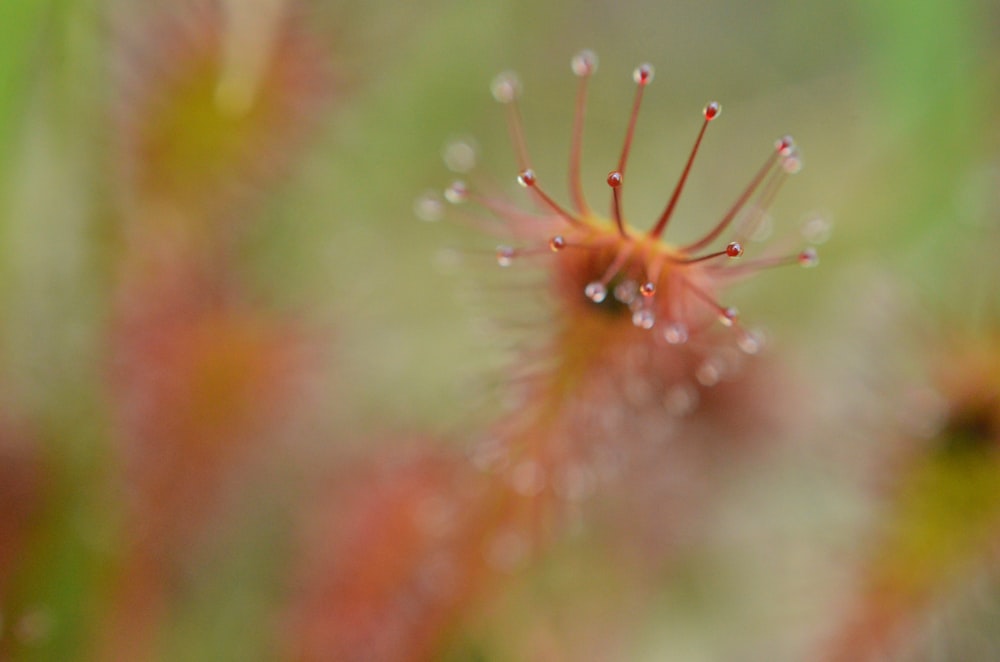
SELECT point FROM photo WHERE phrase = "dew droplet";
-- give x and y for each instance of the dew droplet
(708, 373)
(712, 110)
(505, 255)
(816, 229)
(460, 155)
(626, 291)
(596, 291)
(643, 74)
(506, 87)
(584, 63)
(557, 243)
(614, 179)
(648, 289)
(729, 316)
(527, 178)
(792, 163)
(428, 207)
(457, 192)
(750, 342)
(681, 400)
(644, 318)
(734, 249)
(808, 257)
(675, 333)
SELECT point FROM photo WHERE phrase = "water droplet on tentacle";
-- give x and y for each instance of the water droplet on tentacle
(457, 192)
(596, 291)
(644, 318)
(792, 163)
(626, 291)
(784, 145)
(428, 207)
(584, 63)
(709, 373)
(675, 333)
(506, 87)
(681, 399)
(460, 155)
(505, 255)
(816, 229)
(750, 342)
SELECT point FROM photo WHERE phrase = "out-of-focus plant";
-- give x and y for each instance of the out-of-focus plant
(213, 100)
(942, 522)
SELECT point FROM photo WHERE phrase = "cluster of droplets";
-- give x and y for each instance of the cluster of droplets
(677, 269)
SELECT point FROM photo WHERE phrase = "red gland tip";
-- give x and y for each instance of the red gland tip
(734, 249)
(643, 74)
(712, 111)
(584, 63)
(648, 289)
(808, 258)
(615, 178)
(729, 316)
(557, 243)
(527, 178)
(784, 145)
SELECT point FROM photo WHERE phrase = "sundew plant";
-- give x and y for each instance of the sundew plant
(278, 384)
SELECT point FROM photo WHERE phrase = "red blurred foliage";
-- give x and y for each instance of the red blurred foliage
(214, 101)
(199, 375)
(395, 557)
(22, 496)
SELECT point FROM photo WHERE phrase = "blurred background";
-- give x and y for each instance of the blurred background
(233, 360)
